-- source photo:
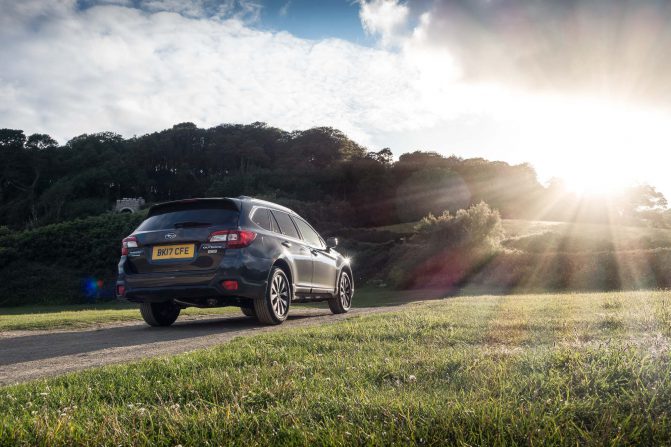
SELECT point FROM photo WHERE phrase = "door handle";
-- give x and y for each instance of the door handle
(286, 244)
(314, 252)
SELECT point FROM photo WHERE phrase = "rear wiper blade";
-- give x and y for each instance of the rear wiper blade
(191, 224)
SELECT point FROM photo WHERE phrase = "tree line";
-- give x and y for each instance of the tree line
(42, 182)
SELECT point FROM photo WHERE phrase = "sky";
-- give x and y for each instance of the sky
(579, 89)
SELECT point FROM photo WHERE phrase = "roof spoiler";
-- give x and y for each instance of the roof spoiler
(223, 202)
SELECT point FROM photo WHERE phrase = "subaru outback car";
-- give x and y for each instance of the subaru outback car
(213, 252)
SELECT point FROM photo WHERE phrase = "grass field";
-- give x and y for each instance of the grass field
(571, 369)
(80, 316)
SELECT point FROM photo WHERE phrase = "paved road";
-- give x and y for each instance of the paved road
(27, 355)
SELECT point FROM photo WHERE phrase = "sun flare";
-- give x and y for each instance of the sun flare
(592, 146)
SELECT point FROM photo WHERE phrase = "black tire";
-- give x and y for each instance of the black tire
(274, 307)
(159, 314)
(342, 301)
(249, 311)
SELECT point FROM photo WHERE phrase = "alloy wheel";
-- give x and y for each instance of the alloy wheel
(279, 295)
(345, 291)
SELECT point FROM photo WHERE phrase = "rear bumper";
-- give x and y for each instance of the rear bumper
(157, 287)
(250, 271)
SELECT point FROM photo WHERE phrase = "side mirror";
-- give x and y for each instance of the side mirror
(332, 242)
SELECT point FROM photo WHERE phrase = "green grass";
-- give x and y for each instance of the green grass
(571, 369)
(80, 316)
(371, 296)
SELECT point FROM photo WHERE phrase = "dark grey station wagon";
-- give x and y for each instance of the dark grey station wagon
(213, 252)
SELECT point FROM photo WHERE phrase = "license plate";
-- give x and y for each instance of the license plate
(181, 251)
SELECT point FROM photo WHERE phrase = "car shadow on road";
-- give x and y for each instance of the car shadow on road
(44, 346)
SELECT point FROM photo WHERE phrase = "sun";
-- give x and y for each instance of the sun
(592, 184)
(597, 171)
(594, 147)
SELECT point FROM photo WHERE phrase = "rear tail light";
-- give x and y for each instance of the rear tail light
(129, 242)
(233, 238)
(229, 284)
(120, 290)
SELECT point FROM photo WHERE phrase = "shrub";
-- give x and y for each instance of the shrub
(478, 226)
(447, 249)
(4, 231)
(27, 283)
(47, 264)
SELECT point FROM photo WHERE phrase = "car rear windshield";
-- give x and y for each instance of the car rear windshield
(190, 215)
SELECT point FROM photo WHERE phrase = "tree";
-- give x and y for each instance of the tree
(642, 202)
(12, 139)
(40, 141)
(431, 190)
(320, 147)
(384, 156)
(20, 171)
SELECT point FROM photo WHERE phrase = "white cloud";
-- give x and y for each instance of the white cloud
(385, 18)
(111, 67)
(248, 10)
(66, 71)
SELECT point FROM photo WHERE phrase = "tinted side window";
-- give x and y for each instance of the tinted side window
(309, 235)
(273, 223)
(286, 225)
(261, 218)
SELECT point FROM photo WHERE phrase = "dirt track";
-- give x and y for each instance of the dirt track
(27, 355)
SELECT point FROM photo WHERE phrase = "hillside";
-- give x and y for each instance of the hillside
(331, 179)
(531, 256)
(564, 236)
(553, 236)
(76, 260)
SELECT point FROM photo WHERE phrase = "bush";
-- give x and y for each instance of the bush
(478, 226)
(47, 264)
(4, 231)
(447, 248)
(32, 283)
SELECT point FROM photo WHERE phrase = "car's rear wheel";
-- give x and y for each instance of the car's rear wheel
(342, 301)
(249, 311)
(159, 314)
(274, 307)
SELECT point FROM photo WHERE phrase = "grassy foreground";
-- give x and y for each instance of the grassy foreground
(81, 316)
(572, 369)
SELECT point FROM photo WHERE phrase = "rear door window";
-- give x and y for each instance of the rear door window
(190, 215)
(309, 235)
(262, 219)
(285, 223)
